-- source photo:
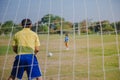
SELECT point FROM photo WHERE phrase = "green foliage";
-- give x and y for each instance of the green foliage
(67, 25)
(43, 28)
(7, 27)
(54, 22)
(116, 25)
(0, 31)
(49, 18)
(107, 27)
(16, 28)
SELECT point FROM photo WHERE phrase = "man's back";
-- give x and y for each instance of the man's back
(26, 40)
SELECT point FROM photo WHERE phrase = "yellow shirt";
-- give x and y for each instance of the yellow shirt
(26, 40)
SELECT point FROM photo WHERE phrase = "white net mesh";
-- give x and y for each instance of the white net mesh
(91, 56)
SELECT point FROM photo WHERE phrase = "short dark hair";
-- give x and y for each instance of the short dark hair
(66, 34)
(26, 22)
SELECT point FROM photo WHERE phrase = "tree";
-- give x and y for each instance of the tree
(83, 26)
(43, 28)
(7, 27)
(17, 28)
(116, 25)
(47, 18)
(106, 26)
(52, 21)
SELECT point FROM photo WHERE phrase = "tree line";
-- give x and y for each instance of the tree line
(56, 25)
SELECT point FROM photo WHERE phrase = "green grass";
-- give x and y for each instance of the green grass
(6, 50)
(75, 61)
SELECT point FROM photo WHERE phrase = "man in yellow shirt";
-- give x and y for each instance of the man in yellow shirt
(26, 45)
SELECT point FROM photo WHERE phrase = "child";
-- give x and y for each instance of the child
(66, 41)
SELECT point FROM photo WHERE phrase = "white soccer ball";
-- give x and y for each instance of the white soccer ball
(50, 54)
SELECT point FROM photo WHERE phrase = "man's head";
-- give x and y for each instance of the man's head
(26, 23)
(66, 34)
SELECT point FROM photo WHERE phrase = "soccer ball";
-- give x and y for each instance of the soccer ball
(50, 54)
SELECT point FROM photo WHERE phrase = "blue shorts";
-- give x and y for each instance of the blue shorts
(28, 63)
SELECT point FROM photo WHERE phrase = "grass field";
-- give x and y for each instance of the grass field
(88, 58)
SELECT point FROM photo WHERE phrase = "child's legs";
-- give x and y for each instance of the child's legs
(66, 44)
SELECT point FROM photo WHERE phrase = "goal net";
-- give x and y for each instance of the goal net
(93, 51)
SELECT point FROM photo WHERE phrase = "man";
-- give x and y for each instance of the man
(26, 46)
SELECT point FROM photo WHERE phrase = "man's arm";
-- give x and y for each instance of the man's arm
(36, 49)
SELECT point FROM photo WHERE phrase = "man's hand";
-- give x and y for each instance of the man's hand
(15, 49)
(36, 49)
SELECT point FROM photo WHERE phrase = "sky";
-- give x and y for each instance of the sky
(70, 10)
